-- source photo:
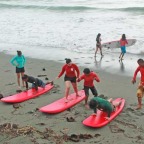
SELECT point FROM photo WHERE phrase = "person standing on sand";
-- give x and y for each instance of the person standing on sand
(123, 42)
(72, 72)
(98, 44)
(89, 77)
(19, 61)
(104, 105)
(140, 90)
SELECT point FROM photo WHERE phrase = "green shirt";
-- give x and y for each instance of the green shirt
(103, 105)
(18, 61)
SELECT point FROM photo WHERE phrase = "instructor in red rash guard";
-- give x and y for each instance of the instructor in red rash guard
(72, 72)
(140, 89)
(89, 77)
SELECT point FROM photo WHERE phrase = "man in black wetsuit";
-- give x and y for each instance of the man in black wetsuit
(35, 82)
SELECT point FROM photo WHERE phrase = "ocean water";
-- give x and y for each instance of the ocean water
(57, 29)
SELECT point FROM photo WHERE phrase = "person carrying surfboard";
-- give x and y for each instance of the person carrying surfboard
(140, 90)
(72, 72)
(35, 82)
(104, 105)
(98, 44)
(19, 61)
(89, 77)
(123, 42)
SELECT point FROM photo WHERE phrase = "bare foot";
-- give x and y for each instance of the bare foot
(78, 95)
(139, 107)
(86, 106)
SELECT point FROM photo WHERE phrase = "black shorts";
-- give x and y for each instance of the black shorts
(20, 70)
(93, 90)
(71, 79)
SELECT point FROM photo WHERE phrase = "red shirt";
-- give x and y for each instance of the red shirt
(88, 79)
(123, 42)
(70, 71)
(141, 70)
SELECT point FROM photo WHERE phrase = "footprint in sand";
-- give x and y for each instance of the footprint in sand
(87, 63)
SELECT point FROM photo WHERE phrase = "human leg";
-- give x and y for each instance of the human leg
(94, 91)
(22, 74)
(139, 96)
(18, 79)
(96, 50)
(86, 90)
(75, 88)
(67, 88)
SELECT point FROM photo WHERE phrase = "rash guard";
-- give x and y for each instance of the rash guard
(34, 81)
(70, 70)
(123, 42)
(89, 79)
(18, 61)
(141, 70)
(103, 105)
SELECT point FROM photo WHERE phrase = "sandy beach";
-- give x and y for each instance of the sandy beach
(26, 125)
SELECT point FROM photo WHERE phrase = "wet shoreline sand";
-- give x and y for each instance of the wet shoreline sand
(34, 127)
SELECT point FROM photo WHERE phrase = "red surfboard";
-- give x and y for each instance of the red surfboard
(97, 121)
(60, 105)
(26, 95)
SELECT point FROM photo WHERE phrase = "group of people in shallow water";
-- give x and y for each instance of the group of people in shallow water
(72, 76)
(123, 41)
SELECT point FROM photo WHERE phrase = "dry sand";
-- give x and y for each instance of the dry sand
(34, 127)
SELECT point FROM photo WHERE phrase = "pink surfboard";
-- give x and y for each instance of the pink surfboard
(60, 105)
(26, 95)
(97, 121)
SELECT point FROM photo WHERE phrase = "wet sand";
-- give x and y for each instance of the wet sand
(25, 124)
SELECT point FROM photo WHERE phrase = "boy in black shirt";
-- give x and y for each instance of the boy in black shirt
(35, 82)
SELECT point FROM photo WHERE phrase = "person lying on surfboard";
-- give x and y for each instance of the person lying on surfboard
(89, 77)
(72, 72)
(140, 89)
(35, 82)
(104, 105)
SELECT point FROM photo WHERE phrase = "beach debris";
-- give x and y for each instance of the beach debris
(69, 109)
(18, 91)
(74, 138)
(41, 75)
(85, 136)
(46, 78)
(15, 130)
(10, 83)
(70, 119)
(116, 129)
(41, 124)
(16, 105)
(44, 69)
(1, 96)
(97, 135)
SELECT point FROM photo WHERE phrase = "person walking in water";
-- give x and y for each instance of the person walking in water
(123, 42)
(19, 61)
(72, 72)
(98, 44)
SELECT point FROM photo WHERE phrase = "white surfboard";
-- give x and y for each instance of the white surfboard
(116, 44)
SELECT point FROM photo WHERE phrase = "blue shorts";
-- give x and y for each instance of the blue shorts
(123, 49)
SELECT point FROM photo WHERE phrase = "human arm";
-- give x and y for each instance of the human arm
(96, 77)
(61, 72)
(77, 70)
(26, 85)
(81, 77)
(135, 74)
(12, 61)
